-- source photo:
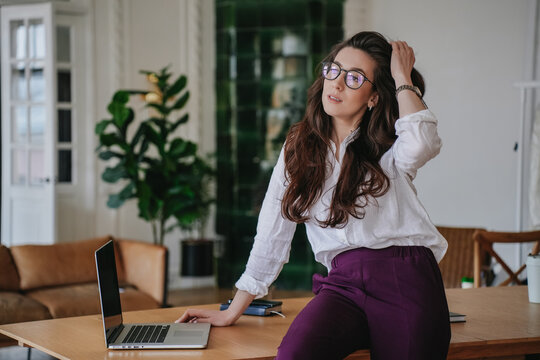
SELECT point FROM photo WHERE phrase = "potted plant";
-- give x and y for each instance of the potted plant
(156, 166)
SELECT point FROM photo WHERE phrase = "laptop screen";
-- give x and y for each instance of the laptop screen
(108, 286)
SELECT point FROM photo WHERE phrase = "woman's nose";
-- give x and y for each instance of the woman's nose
(339, 82)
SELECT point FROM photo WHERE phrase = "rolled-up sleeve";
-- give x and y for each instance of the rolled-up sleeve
(417, 142)
(272, 243)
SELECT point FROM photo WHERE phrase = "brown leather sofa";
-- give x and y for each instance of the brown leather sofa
(40, 282)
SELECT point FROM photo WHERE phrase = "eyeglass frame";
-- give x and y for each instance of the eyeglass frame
(346, 72)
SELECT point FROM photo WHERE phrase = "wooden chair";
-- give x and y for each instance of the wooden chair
(458, 262)
(483, 243)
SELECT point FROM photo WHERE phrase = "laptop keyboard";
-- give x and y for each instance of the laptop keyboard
(148, 334)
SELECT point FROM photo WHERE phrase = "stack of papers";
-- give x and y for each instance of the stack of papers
(455, 317)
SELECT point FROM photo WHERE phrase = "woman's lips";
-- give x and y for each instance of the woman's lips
(334, 99)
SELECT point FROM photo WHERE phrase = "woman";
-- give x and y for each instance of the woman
(346, 171)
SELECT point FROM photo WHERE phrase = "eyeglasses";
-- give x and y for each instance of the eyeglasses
(353, 79)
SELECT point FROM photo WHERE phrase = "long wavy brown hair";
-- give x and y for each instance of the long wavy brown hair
(361, 179)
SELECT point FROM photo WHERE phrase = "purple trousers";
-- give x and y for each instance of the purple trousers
(391, 301)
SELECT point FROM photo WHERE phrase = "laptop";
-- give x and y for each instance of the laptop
(138, 336)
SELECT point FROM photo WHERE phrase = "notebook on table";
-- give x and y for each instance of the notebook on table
(138, 336)
(456, 317)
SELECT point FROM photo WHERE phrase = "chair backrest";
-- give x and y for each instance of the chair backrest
(459, 258)
(484, 241)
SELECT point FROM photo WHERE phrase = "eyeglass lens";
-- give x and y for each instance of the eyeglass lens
(353, 79)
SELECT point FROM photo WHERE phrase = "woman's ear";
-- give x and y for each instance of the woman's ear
(373, 100)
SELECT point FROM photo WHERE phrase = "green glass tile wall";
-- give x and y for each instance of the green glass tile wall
(266, 55)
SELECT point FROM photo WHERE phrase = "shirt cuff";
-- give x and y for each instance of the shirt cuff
(422, 115)
(252, 286)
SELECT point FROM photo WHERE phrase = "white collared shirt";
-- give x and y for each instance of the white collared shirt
(396, 218)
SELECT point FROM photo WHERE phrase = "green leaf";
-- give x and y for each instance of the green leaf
(119, 112)
(115, 201)
(148, 205)
(163, 110)
(110, 140)
(186, 220)
(137, 137)
(179, 122)
(178, 146)
(178, 85)
(191, 149)
(153, 136)
(113, 174)
(101, 126)
(106, 155)
(144, 146)
(121, 97)
(127, 192)
(177, 208)
(162, 125)
(127, 121)
(181, 102)
(137, 92)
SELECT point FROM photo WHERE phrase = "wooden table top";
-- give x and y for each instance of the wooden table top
(500, 322)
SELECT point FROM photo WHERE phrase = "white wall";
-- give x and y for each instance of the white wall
(470, 53)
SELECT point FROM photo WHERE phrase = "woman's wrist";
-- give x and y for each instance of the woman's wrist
(402, 80)
(231, 316)
(241, 301)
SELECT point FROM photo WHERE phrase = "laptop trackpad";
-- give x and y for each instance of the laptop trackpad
(188, 333)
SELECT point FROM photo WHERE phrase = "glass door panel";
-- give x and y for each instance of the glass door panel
(19, 124)
(64, 125)
(63, 44)
(19, 88)
(64, 86)
(36, 39)
(64, 166)
(37, 82)
(37, 125)
(18, 39)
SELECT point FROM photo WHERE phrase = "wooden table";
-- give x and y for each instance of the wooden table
(501, 323)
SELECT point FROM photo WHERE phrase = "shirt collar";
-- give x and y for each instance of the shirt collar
(351, 137)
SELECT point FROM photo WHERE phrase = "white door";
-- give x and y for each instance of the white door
(28, 88)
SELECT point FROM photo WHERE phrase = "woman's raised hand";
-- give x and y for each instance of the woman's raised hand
(402, 63)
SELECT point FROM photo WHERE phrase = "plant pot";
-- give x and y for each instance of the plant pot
(197, 257)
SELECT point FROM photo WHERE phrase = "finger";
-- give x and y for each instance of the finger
(202, 320)
(188, 315)
(400, 45)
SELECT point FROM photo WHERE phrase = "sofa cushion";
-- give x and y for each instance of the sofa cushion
(9, 281)
(133, 299)
(15, 307)
(58, 264)
(83, 299)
